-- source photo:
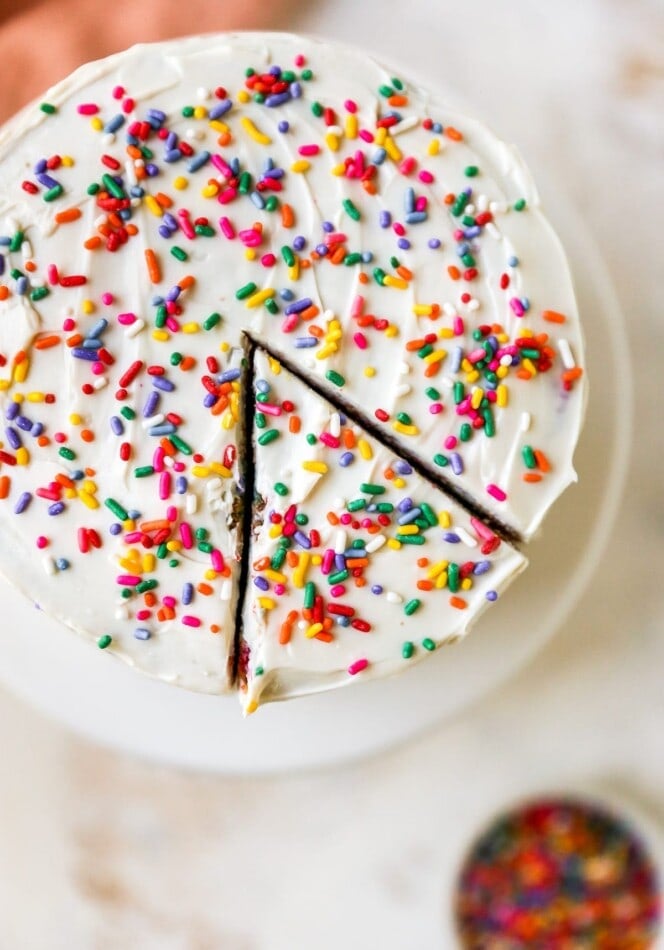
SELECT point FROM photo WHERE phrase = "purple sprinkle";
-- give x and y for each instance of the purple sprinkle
(151, 403)
(481, 568)
(328, 227)
(340, 562)
(47, 181)
(22, 503)
(299, 242)
(117, 425)
(384, 219)
(81, 353)
(209, 400)
(302, 539)
(278, 99)
(142, 633)
(296, 307)
(261, 583)
(221, 108)
(164, 231)
(41, 166)
(12, 410)
(24, 423)
(13, 437)
(492, 595)
(296, 90)
(187, 593)
(405, 504)
(403, 468)
(228, 376)
(377, 589)
(283, 126)
(304, 342)
(403, 244)
(173, 293)
(37, 429)
(451, 537)
(115, 528)
(346, 459)
(434, 243)
(457, 463)
(56, 508)
(162, 383)
(181, 484)
(322, 250)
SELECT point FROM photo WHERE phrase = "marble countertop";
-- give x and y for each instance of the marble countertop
(99, 851)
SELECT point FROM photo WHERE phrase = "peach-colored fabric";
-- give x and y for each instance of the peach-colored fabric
(43, 40)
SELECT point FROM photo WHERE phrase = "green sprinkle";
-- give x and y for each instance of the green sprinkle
(335, 377)
(268, 436)
(411, 606)
(386, 91)
(411, 539)
(175, 358)
(358, 543)
(280, 488)
(422, 524)
(301, 519)
(288, 256)
(465, 432)
(104, 641)
(126, 593)
(181, 445)
(350, 259)
(39, 293)
(204, 230)
(489, 424)
(200, 534)
(384, 507)
(404, 419)
(173, 562)
(246, 291)
(458, 392)
(162, 551)
(244, 186)
(397, 83)
(259, 420)
(160, 317)
(428, 348)
(67, 453)
(53, 193)
(432, 393)
(187, 112)
(530, 354)
(306, 74)
(311, 439)
(429, 514)
(371, 489)
(278, 558)
(48, 108)
(143, 471)
(309, 595)
(111, 185)
(210, 322)
(528, 457)
(93, 188)
(272, 203)
(317, 109)
(338, 578)
(145, 586)
(351, 210)
(259, 97)
(117, 509)
(288, 75)
(453, 577)
(407, 650)
(128, 413)
(357, 504)
(271, 305)
(16, 241)
(259, 671)
(204, 546)
(179, 253)
(379, 275)
(428, 644)
(460, 203)
(471, 171)
(262, 397)
(468, 260)
(520, 204)
(441, 460)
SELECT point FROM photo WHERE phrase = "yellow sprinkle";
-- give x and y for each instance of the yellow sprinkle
(4, 384)
(530, 366)
(225, 346)
(434, 147)
(22, 456)
(300, 572)
(251, 706)
(394, 544)
(338, 170)
(466, 583)
(174, 545)
(88, 307)
(275, 576)
(96, 123)
(301, 165)
(444, 519)
(200, 112)
(398, 282)
(243, 96)
(275, 531)
(332, 141)
(19, 397)
(21, 371)
(131, 564)
(320, 468)
(316, 559)
(328, 350)
(180, 183)
(88, 499)
(75, 419)
(502, 372)
(220, 469)
(259, 297)
(154, 206)
(253, 132)
(466, 365)
(405, 429)
(476, 397)
(311, 631)
(351, 126)
(210, 191)
(526, 331)
(210, 574)
(67, 161)
(422, 309)
(446, 333)
(161, 336)
(267, 603)
(436, 569)
(502, 337)
(294, 271)
(275, 366)
(70, 493)
(391, 330)
(129, 525)
(408, 529)
(228, 420)
(218, 125)
(250, 253)
(200, 471)
(365, 448)
(473, 376)
(436, 356)
(392, 149)
(148, 562)
(191, 327)
(399, 483)
(381, 135)
(501, 395)
(369, 371)
(441, 581)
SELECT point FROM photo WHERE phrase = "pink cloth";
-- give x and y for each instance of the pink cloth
(41, 41)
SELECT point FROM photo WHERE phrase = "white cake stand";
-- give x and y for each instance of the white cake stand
(72, 680)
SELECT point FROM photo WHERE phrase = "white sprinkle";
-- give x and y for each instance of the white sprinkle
(334, 130)
(153, 420)
(226, 591)
(191, 503)
(340, 542)
(49, 565)
(482, 202)
(130, 171)
(26, 249)
(122, 612)
(474, 304)
(403, 390)
(108, 139)
(506, 360)
(303, 625)
(469, 209)
(100, 382)
(203, 93)
(566, 354)
(403, 369)
(525, 421)
(467, 539)
(214, 487)
(404, 125)
(335, 424)
(135, 328)
(394, 598)
(376, 542)
(449, 310)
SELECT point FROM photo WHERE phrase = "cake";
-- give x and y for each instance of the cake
(252, 283)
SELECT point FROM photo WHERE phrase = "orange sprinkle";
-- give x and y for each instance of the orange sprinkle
(154, 270)
(454, 272)
(149, 599)
(433, 368)
(458, 602)
(404, 272)
(325, 637)
(131, 229)
(552, 316)
(315, 330)
(304, 263)
(168, 447)
(30, 266)
(389, 474)
(90, 472)
(74, 340)
(187, 281)
(224, 138)
(413, 345)
(292, 559)
(115, 220)
(4, 291)
(531, 477)
(204, 589)
(285, 633)
(338, 255)
(363, 278)
(134, 152)
(261, 564)
(332, 518)
(423, 562)
(5, 485)
(163, 200)
(453, 133)
(571, 374)
(543, 463)
(309, 312)
(187, 363)
(524, 374)
(294, 424)
(369, 187)
(43, 440)
(219, 406)
(357, 562)
(449, 199)
(65, 481)
(215, 628)
(349, 439)
(398, 101)
(87, 435)
(158, 525)
(360, 581)
(45, 342)
(424, 585)
(70, 214)
(287, 216)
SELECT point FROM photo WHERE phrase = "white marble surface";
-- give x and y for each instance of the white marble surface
(99, 851)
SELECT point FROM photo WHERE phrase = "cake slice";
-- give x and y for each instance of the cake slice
(358, 566)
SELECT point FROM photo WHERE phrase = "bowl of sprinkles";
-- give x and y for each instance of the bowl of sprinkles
(561, 872)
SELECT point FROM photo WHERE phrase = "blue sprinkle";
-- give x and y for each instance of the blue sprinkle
(62, 563)
(262, 386)
(172, 155)
(409, 516)
(187, 594)
(77, 475)
(286, 293)
(305, 342)
(229, 375)
(409, 200)
(343, 621)
(367, 257)
(513, 261)
(21, 285)
(257, 199)
(162, 383)
(90, 343)
(114, 124)
(415, 217)
(437, 128)
(165, 428)
(142, 633)
(457, 357)
(133, 514)
(97, 329)
(378, 156)
(198, 161)
(346, 459)
(81, 353)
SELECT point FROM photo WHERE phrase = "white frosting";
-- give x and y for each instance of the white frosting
(390, 568)
(168, 77)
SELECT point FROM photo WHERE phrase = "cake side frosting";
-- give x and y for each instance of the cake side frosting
(159, 203)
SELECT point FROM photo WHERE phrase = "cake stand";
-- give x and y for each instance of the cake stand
(89, 691)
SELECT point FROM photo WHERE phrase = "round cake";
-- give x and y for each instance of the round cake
(290, 363)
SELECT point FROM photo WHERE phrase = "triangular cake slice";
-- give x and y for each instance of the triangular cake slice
(358, 566)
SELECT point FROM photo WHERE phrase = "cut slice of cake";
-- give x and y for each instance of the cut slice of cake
(358, 566)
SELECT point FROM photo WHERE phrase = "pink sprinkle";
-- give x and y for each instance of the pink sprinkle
(457, 325)
(398, 228)
(407, 166)
(190, 621)
(345, 518)
(517, 307)
(222, 165)
(365, 135)
(171, 513)
(338, 590)
(435, 408)
(268, 260)
(133, 537)
(217, 560)
(118, 92)
(250, 237)
(327, 562)
(360, 340)
(358, 666)
(172, 324)
(332, 441)
(350, 106)
(126, 319)
(357, 307)
(309, 150)
(300, 60)
(97, 368)
(496, 492)
(143, 614)
(158, 459)
(68, 324)
(42, 542)
(270, 409)
(165, 485)
(186, 225)
(450, 442)
(477, 355)
(227, 228)
(279, 589)
(227, 195)
(421, 203)
(87, 108)
(426, 177)
(128, 105)
(337, 237)
(128, 580)
(289, 323)
(481, 529)
(179, 466)
(52, 275)
(168, 601)
(186, 535)
(107, 299)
